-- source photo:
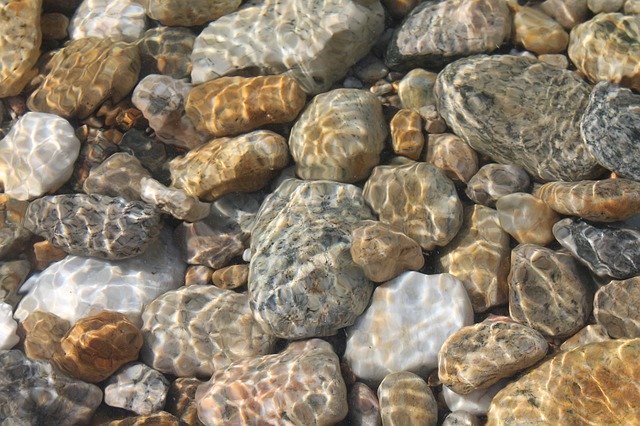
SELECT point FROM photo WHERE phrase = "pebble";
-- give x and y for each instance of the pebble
(54, 26)
(370, 69)
(116, 19)
(138, 388)
(406, 134)
(461, 418)
(186, 13)
(632, 7)
(41, 334)
(173, 201)
(8, 327)
(181, 400)
(37, 155)
(526, 218)
(364, 409)
(476, 402)
(45, 253)
(416, 89)
(119, 175)
(604, 6)
(431, 213)
(493, 181)
(317, 54)
(568, 13)
(167, 51)
(590, 334)
(14, 237)
(302, 384)
(433, 121)
(538, 32)
(548, 291)
(557, 60)
(610, 127)
(616, 308)
(231, 277)
(339, 136)
(12, 275)
(407, 322)
(453, 156)
(406, 399)
(96, 146)
(509, 112)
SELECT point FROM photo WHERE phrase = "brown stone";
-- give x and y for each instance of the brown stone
(400, 8)
(46, 253)
(453, 156)
(406, 399)
(181, 400)
(197, 275)
(617, 308)
(41, 334)
(590, 334)
(568, 13)
(161, 418)
(118, 176)
(54, 26)
(12, 275)
(231, 277)
(526, 218)
(537, 32)
(406, 134)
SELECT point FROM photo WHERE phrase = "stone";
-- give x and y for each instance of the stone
(370, 69)
(238, 164)
(364, 409)
(493, 181)
(526, 218)
(181, 400)
(41, 334)
(167, 51)
(173, 201)
(416, 89)
(537, 32)
(37, 155)
(329, 38)
(197, 275)
(616, 308)
(20, 23)
(567, 13)
(436, 33)
(231, 277)
(301, 384)
(94, 225)
(230, 106)
(604, 6)
(122, 20)
(505, 109)
(590, 334)
(54, 26)
(339, 136)
(77, 287)
(45, 253)
(160, 418)
(595, 384)
(612, 36)
(8, 327)
(201, 243)
(453, 156)
(478, 356)
(34, 393)
(430, 213)
(433, 122)
(12, 275)
(400, 8)
(407, 322)
(406, 134)
(476, 402)
(120, 175)
(200, 329)
(610, 127)
(632, 7)
(461, 418)
(548, 291)
(14, 237)
(302, 279)
(162, 99)
(184, 13)
(557, 60)
(607, 200)
(96, 147)
(406, 399)
(138, 388)
(152, 155)
(84, 74)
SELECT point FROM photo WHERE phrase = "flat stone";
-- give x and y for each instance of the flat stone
(364, 409)
(436, 33)
(610, 127)
(476, 402)
(197, 275)
(37, 155)
(406, 134)
(616, 308)
(548, 291)
(302, 279)
(120, 175)
(604, 6)
(461, 418)
(173, 201)
(231, 277)
(406, 399)
(181, 400)
(453, 156)
(84, 74)
(493, 181)
(160, 418)
(504, 108)
(597, 383)
(45, 253)
(612, 36)
(537, 32)
(339, 136)
(41, 334)
(330, 37)
(12, 275)
(186, 13)
(167, 51)
(431, 213)
(8, 327)
(590, 334)
(116, 19)
(568, 13)
(54, 26)
(526, 218)
(138, 388)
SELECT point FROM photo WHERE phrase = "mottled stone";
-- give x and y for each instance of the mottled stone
(548, 291)
(84, 74)
(32, 392)
(160, 418)
(461, 418)
(320, 41)
(416, 89)
(590, 334)
(604, 6)
(181, 400)
(339, 136)
(406, 134)
(120, 175)
(568, 13)
(8, 327)
(616, 308)
(41, 334)
(537, 32)
(186, 13)
(406, 399)
(167, 51)
(231, 277)
(54, 26)
(436, 33)
(453, 156)
(494, 181)
(13, 235)
(173, 201)
(12, 275)
(138, 388)
(45, 253)
(37, 155)
(430, 212)
(476, 402)
(504, 108)
(116, 19)
(526, 218)
(364, 409)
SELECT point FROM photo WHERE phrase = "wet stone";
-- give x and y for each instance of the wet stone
(8, 327)
(560, 61)
(96, 146)
(453, 156)
(370, 69)
(231, 277)
(476, 402)
(400, 8)
(526, 218)
(461, 418)
(406, 134)
(568, 13)
(116, 19)
(120, 175)
(41, 334)
(13, 235)
(616, 308)
(538, 32)
(167, 51)
(494, 181)
(152, 155)
(416, 89)
(45, 253)
(185, 13)
(605, 6)
(364, 409)
(12, 275)
(137, 388)
(173, 201)
(406, 399)
(197, 275)
(632, 7)
(590, 334)
(181, 400)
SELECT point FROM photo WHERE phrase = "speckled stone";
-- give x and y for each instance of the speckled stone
(302, 384)
(173, 201)
(526, 218)
(45, 253)
(14, 236)
(537, 32)
(594, 384)
(610, 127)
(161, 418)
(167, 51)
(590, 334)
(436, 33)
(476, 402)
(339, 136)
(200, 329)
(479, 257)
(406, 399)
(612, 36)
(41, 334)
(364, 409)
(138, 388)
(8, 327)
(607, 200)
(478, 356)
(504, 108)
(186, 13)
(119, 175)
(493, 181)
(329, 37)
(568, 13)
(33, 392)
(12, 275)
(116, 19)
(231, 277)
(84, 74)
(548, 291)
(406, 134)
(416, 89)
(431, 213)
(302, 279)
(181, 400)
(616, 308)
(461, 418)
(453, 156)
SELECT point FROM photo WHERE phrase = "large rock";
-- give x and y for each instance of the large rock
(505, 108)
(406, 399)
(616, 308)
(116, 19)
(188, 13)
(319, 41)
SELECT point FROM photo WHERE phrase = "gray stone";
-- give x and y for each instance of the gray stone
(494, 181)
(118, 176)
(617, 308)
(416, 89)
(138, 388)
(406, 399)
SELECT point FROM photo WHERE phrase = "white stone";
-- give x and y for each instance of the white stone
(476, 402)
(123, 20)
(8, 327)
(37, 155)
(173, 201)
(137, 388)
(407, 322)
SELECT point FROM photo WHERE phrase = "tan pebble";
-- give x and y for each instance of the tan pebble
(54, 26)
(590, 334)
(231, 277)
(197, 275)
(526, 218)
(161, 418)
(406, 399)
(406, 134)
(46, 253)
(453, 156)
(41, 334)
(537, 32)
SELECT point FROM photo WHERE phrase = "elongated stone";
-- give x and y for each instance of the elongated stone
(188, 13)
(616, 308)
(8, 327)
(406, 399)
(494, 181)
(406, 134)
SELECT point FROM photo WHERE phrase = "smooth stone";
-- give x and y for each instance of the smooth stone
(197, 275)
(526, 218)
(494, 180)
(302, 384)
(416, 89)
(632, 7)
(12, 275)
(612, 36)
(568, 13)
(41, 334)
(557, 60)
(188, 13)
(181, 400)
(616, 308)
(54, 26)
(45, 253)
(453, 156)
(538, 32)
(430, 213)
(594, 384)
(407, 322)
(37, 155)
(231, 277)
(548, 291)
(406, 134)
(14, 237)
(590, 334)
(604, 6)
(173, 201)
(339, 136)
(406, 399)
(476, 402)
(364, 409)
(122, 20)
(167, 51)
(436, 33)
(120, 175)
(138, 388)
(461, 418)
(160, 418)
(8, 327)
(610, 127)
(201, 329)
(330, 37)
(504, 108)
(302, 279)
